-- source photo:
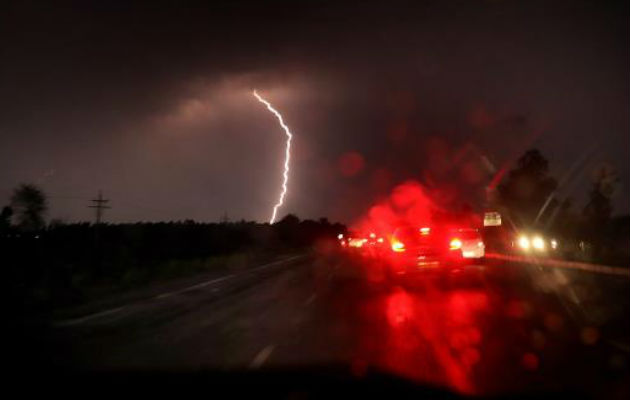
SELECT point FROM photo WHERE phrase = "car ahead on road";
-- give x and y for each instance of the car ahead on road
(366, 244)
(414, 247)
(473, 246)
(510, 239)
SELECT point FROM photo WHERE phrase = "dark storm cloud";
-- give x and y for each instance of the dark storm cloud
(150, 101)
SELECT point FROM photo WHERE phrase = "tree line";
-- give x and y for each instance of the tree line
(57, 264)
(531, 197)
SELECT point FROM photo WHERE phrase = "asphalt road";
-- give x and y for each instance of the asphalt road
(479, 329)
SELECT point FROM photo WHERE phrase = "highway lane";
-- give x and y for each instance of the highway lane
(475, 329)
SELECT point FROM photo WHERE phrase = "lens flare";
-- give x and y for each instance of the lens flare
(538, 243)
(523, 242)
(287, 155)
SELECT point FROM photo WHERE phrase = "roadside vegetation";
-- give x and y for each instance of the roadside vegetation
(532, 199)
(65, 265)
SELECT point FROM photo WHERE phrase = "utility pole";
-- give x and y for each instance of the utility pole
(100, 204)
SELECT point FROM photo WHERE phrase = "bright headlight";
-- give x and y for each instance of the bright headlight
(554, 244)
(523, 242)
(538, 243)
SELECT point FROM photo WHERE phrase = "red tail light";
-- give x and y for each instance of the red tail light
(398, 246)
(455, 244)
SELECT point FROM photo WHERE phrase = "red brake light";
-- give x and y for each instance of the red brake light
(455, 244)
(398, 246)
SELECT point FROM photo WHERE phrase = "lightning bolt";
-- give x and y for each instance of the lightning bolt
(287, 155)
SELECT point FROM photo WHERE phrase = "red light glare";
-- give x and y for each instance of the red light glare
(398, 247)
(356, 242)
(399, 308)
(408, 204)
(455, 244)
(530, 361)
(351, 163)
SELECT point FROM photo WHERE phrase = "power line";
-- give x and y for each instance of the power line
(100, 204)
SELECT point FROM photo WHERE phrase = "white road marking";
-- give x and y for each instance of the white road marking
(193, 287)
(77, 321)
(200, 285)
(261, 357)
(620, 346)
(283, 261)
(549, 262)
(89, 317)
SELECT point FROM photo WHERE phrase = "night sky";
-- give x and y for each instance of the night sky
(151, 102)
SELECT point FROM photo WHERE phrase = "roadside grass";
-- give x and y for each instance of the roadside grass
(176, 268)
(76, 288)
(136, 277)
(137, 283)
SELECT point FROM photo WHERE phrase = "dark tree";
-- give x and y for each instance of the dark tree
(289, 220)
(29, 205)
(324, 221)
(599, 209)
(5, 219)
(288, 229)
(564, 221)
(527, 187)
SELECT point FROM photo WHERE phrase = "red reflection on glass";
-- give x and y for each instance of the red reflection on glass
(530, 361)
(351, 163)
(399, 308)
(433, 337)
